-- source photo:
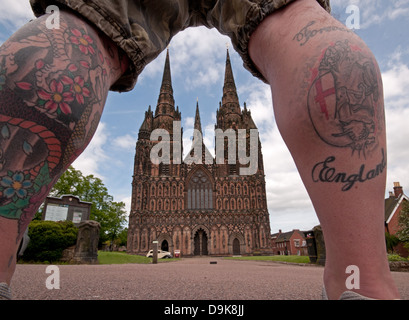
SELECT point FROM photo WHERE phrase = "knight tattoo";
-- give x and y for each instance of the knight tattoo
(343, 100)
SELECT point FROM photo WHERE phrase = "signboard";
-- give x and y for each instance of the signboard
(56, 212)
(77, 217)
(66, 208)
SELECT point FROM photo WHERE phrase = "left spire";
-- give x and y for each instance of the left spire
(166, 90)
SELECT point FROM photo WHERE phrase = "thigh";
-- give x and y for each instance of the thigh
(53, 86)
(142, 29)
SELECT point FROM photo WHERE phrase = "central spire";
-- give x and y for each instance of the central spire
(198, 124)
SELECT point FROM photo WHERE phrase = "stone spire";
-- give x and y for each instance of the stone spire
(146, 127)
(198, 124)
(198, 149)
(230, 99)
(166, 102)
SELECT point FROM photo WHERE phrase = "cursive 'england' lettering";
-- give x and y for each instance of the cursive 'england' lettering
(324, 171)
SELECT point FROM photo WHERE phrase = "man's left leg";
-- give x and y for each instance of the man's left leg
(328, 104)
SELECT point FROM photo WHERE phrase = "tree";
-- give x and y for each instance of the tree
(112, 219)
(391, 241)
(110, 214)
(403, 233)
(122, 239)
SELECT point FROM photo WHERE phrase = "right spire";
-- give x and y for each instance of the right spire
(230, 98)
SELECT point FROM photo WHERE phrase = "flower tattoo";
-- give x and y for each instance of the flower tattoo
(57, 100)
(83, 41)
(78, 87)
(16, 185)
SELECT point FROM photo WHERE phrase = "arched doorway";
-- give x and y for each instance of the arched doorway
(236, 247)
(164, 246)
(200, 243)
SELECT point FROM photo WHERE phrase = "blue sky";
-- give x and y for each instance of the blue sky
(197, 57)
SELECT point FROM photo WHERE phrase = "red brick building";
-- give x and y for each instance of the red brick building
(393, 208)
(289, 243)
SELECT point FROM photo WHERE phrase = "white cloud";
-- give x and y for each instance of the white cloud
(15, 13)
(125, 199)
(196, 57)
(259, 102)
(373, 11)
(126, 142)
(398, 146)
(396, 82)
(188, 122)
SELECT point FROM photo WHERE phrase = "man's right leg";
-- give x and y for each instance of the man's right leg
(53, 87)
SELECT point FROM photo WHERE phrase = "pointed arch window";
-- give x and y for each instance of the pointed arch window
(199, 191)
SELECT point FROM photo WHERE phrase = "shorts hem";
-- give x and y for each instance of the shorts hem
(255, 17)
(112, 30)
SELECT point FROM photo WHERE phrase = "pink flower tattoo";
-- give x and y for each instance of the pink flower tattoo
(57, 99)
(83, 41)
(78, 88)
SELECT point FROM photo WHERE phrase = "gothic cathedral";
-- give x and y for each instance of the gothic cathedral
(201, 205)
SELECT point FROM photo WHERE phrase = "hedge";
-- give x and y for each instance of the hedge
(48, 239)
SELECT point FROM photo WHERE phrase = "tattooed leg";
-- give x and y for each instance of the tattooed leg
(53, 86)
(328, 104)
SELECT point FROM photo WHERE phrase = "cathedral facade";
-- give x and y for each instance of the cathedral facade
(201, 204)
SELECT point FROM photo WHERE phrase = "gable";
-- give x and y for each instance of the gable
(392, 205)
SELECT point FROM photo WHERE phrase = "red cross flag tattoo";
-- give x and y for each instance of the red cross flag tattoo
(343, 99)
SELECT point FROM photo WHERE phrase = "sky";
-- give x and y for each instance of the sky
(197, 58)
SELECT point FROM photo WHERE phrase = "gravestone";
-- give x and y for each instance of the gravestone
(86, 249)
(320, 245)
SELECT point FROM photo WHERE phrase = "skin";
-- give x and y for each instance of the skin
(53, 89)
(328, 104)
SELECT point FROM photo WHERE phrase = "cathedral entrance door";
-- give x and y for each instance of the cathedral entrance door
(200, 242)
(164, 246)
(236, 247)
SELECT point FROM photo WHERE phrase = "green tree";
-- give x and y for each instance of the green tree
(123, 237)
(403, 233)
(391, 241)
(112, 219)
(110, 214)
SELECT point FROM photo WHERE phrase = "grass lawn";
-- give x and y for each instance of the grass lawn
(294, 259)
(106, 257)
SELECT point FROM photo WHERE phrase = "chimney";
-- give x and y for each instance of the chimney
(397, 189)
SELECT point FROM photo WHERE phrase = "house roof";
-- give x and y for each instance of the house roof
(391, 205)
(285, 236)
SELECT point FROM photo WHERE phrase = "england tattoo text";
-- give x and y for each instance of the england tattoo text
(325, 171)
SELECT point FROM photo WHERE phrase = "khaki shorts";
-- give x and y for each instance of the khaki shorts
(144, 28)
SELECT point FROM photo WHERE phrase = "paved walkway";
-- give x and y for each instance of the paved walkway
(187, 279)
